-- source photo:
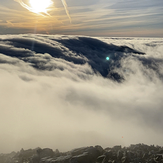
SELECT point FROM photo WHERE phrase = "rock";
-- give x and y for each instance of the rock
(119, 155)
(101, 159)
(82, 158)
(117, 148)
(100, 149)
(160, 151)
(87, 153)
(46, 160)
(57, 153)
(130, 155)
(78, 151)
(139, 153)
(62, 159)
(46, 152)
(114, 161)
(93, 152)
(109, 161)
(108, 154)
(35, 158)
(107, 149)
(125, 160)
(158, 157)
(145, 156)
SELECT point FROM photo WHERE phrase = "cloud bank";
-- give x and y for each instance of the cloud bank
(61, 92)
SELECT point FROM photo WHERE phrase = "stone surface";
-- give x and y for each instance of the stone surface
(139, 153)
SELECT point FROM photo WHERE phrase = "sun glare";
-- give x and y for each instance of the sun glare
(40, 6)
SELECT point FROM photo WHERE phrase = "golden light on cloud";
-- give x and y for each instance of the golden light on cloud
(41, 7)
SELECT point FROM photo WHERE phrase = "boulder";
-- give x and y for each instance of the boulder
(108, 154)
(46, 160)
(46, 152)
(119, 155)
(82, 158)
(159, 157)
(100, 149)
(57, 153)
(35, 158)
(78, 151)
(160, 151)
(62, 159)
(117, 148)
(125, 160)
(101, 159)
(93, 152)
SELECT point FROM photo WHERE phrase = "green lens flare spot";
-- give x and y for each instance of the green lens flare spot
(107, 58)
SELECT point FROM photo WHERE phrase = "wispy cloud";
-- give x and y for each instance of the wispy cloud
(66, 9)
(93, 17)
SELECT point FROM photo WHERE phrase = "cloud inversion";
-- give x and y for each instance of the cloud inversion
(61, 92)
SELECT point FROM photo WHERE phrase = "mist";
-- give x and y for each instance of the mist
(60, 92)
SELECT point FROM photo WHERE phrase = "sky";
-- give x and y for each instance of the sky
(119, 18)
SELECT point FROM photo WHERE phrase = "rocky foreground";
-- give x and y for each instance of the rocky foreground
(139, 153)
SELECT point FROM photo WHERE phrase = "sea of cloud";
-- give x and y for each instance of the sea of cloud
(61, 92)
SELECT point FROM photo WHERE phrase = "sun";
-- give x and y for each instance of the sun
(40, 6)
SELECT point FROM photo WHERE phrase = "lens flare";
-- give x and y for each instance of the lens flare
(107, 58)
(41, 7)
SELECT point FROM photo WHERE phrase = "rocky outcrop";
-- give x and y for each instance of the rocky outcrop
(139, 153)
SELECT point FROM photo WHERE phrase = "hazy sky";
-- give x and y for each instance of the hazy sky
(89, 17)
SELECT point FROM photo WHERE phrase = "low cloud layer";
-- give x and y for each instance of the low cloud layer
(60, 92)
